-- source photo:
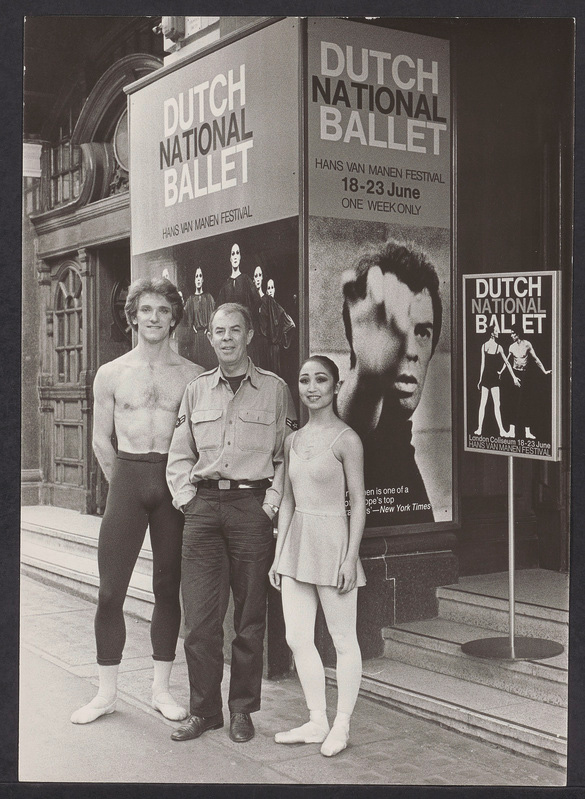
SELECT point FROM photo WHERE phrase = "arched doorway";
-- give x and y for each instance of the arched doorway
(83, 249)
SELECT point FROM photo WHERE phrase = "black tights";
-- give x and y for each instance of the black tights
(138, 497)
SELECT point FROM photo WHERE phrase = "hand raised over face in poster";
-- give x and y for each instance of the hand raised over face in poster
(380, 320)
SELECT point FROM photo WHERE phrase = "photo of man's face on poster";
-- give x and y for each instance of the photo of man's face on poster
(392, 339)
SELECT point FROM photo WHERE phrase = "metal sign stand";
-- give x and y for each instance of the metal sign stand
(513, 647)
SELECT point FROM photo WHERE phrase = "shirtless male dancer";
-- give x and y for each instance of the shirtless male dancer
(137, 396)
(521, 352)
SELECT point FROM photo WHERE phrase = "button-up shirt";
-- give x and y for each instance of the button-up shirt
(220, 435)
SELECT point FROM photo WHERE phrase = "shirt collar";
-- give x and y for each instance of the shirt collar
(251, 374)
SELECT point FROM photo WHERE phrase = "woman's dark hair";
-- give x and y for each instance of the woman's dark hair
(493, 328)
(331, 367)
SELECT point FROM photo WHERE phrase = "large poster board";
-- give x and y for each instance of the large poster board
(214, 144)
(511, 364)
(379, 168)
(214, 183)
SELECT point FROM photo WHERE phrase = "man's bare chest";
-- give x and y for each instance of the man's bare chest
(519, 351)
(147, 389)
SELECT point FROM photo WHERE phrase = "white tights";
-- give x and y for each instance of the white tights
(299, 603)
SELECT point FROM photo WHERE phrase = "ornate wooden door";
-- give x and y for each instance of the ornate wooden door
(65, 387)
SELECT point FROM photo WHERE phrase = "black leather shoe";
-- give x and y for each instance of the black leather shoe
(241, 727)
(196, 726)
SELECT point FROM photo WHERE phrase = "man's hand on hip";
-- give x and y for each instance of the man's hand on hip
(269, 510)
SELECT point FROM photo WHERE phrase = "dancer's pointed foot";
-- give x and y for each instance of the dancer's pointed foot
(309, 733)
(477, 432)
(99, 706)
(336, 741)
(529, 434)
(168, 706)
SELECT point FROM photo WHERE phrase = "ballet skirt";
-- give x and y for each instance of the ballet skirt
(318, 536)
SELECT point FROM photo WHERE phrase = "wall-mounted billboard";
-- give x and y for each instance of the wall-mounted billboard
(214, 183)
(214, 144)
(379, 166)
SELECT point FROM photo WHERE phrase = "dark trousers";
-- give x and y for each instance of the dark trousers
(522, 403)
(227, 535)
(138, 498)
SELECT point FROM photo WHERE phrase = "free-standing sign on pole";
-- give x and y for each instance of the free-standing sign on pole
(511, 347)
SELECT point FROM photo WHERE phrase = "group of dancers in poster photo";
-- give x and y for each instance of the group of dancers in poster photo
(210, 457)
(273, 326)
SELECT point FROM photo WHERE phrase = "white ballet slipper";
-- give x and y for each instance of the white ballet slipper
(99, 706)
(336, 741)
(168, 706)
(309, 733)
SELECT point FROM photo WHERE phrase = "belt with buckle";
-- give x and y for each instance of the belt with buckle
(223, 485)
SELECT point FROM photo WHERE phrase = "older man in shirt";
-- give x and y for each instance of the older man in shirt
(226, 473)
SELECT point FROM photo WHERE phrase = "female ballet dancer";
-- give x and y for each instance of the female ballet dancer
(489, 379)
(317, 556)
(275, 327)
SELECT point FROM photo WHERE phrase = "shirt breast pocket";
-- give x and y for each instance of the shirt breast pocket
(256, 430)
(207, 429)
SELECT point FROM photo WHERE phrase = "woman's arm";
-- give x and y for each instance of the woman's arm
(482, 365)
(348, 449)
(285, 514)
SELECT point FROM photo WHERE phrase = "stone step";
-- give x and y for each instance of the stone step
(77, 544)
(61, 520)
(72, 565)
(435, 645)
(456, 603)
(522, 725)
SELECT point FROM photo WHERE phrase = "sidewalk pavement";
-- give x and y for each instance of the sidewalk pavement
(58, 674)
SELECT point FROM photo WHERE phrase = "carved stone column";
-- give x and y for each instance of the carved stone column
(87, 261)
(45, 379)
